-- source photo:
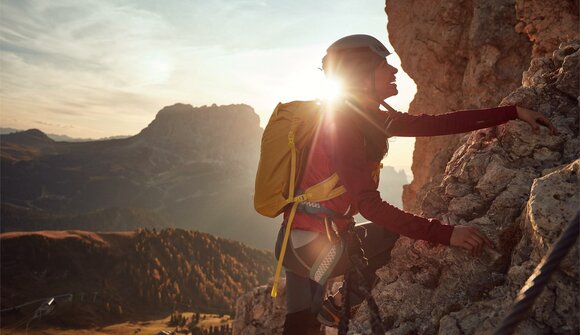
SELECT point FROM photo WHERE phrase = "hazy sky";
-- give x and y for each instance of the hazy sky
(102, 68)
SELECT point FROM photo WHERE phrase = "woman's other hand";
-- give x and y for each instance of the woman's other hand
(470, 238)
(535, 120)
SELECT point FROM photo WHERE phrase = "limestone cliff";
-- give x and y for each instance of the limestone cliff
(548, 23)
(467, 54)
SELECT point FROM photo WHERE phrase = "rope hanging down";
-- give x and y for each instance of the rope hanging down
(363, 288)
(534, 285)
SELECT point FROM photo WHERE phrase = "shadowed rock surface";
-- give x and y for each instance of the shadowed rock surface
(258, 313)
(461, 55)
(465, 55)
(547, 23)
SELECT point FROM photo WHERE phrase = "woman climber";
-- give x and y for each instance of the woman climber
(350, 143)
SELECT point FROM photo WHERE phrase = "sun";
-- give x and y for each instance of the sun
(156, 69)
(331, 89)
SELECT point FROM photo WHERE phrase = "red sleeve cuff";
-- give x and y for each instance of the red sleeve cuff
(444, 232)
(510, 112)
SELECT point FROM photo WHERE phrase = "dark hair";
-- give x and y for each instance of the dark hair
(369, 125)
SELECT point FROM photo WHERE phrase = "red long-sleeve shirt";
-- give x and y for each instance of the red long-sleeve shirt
(341, 147)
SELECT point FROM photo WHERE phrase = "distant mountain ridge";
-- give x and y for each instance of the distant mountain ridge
(62, 138)
(193, 166)
(391, 185)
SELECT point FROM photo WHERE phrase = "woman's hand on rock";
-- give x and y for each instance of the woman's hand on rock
(469, 238)
(535, 120)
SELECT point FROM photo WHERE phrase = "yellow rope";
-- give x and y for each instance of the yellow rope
(291, 186)
(274, 292)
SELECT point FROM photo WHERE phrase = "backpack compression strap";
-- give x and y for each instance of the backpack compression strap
(325, 190)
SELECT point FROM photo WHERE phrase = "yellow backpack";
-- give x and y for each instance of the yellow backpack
(284, 151)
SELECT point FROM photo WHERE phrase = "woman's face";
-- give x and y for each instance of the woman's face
(385, 85)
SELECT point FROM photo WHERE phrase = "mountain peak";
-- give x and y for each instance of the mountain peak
(28, 137)
(181, 108)
(31, 134)
(210, 131)
(26, 145)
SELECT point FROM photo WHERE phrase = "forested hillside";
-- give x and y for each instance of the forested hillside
(114, 276)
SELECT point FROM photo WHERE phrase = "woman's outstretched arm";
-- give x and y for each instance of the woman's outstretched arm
(403, 124)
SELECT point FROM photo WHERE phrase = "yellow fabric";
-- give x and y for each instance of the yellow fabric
(325, 190)
(285, 145)
(281, 165)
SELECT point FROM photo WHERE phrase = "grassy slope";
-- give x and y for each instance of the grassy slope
(151, 327)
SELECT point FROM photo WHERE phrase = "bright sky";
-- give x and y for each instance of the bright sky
(101, 68)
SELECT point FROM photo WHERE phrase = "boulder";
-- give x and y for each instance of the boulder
(257, 313)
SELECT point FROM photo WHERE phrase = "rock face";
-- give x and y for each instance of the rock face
(465, 55)
(461, 55)
(259, 314)
(547, 23)
(520, 189)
